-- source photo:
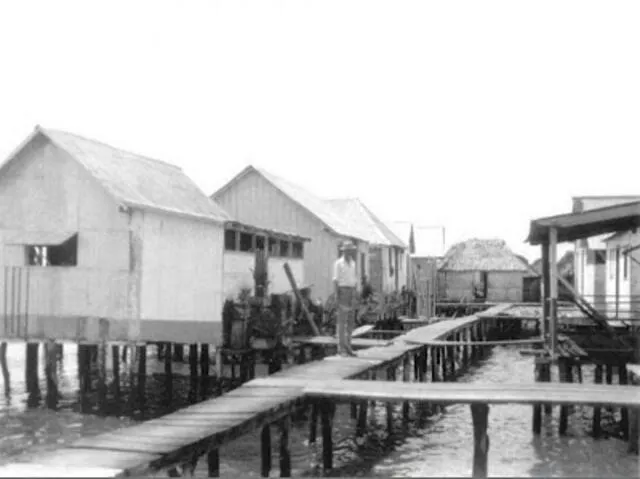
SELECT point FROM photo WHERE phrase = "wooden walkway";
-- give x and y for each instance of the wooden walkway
(200, 429)
(462, 393)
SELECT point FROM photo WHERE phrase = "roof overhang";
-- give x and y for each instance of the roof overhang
(37, 238)
(574, 226)
(237, 225)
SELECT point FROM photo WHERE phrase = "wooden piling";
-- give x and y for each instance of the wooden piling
(51, 372)
(313, 422)
(596, 410)
(178, 352)
(537, 408)
(32, 364)
(142, 376)
(285, 451)
(480, 417)
(634, 430)
(465, 350)
(391, 376)
(406, 377)
(326, 419)
(443, 364)
(213, 463)
(435, 358)
(265, 450)
(115, 366)
(566, 376)
(6, 376)
(624, 412)
(545, 371)
(361, 427)
(102, 375)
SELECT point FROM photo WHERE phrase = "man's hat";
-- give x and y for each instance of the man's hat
(347, 245)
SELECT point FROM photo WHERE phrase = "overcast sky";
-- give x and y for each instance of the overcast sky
(475, 115)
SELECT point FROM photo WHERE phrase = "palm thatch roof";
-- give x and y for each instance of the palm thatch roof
(482, 255)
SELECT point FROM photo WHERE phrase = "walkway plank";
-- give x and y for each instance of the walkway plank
(37, 470)
(456, 393)
(127, 462)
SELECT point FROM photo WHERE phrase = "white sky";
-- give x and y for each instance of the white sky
(475, 115)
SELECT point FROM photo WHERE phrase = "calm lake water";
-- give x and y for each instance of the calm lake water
(440, 446)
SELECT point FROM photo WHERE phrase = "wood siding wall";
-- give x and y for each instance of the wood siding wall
(254, 201)
(44, 191)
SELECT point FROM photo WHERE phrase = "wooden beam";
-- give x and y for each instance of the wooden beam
(546, 290)
(553, 277)
(480, 416)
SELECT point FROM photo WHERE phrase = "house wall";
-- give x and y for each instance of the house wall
(505, 286)
(502, 286)
(238, 273)
(629, 286)
(254, 201)
(591, 278)
(376, 269)
(44, 191)
(455, 285)
(379, 266)
(182, 269)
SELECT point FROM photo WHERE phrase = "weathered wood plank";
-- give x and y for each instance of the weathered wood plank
(131, 462)
(571, 394)
(38, 470)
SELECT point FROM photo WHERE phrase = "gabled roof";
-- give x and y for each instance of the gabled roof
(429, 240)
(134, 180)
(316, 206)
(361, 217)
(482, 255)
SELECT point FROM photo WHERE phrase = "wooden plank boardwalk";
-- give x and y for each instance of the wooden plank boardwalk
(462, 393)
(199, 430)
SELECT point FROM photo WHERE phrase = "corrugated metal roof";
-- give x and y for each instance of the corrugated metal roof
(361, 217)
(429, 240)
(137, 181)
(482, 255)
(315, 205)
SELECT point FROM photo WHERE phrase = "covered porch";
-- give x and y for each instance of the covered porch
(548, 232)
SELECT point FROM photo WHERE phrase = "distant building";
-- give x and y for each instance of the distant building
(591, 253)
(264, 200)
(387, 253)
(481, 270)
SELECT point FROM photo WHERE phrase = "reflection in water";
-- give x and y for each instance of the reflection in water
(440, 445)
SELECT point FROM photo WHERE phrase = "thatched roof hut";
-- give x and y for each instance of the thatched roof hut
(482, 255)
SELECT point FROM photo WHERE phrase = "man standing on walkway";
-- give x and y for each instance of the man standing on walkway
(345, 280)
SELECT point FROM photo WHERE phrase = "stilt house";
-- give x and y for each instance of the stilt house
(97, 243)
(264, 200)
(481, 270)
